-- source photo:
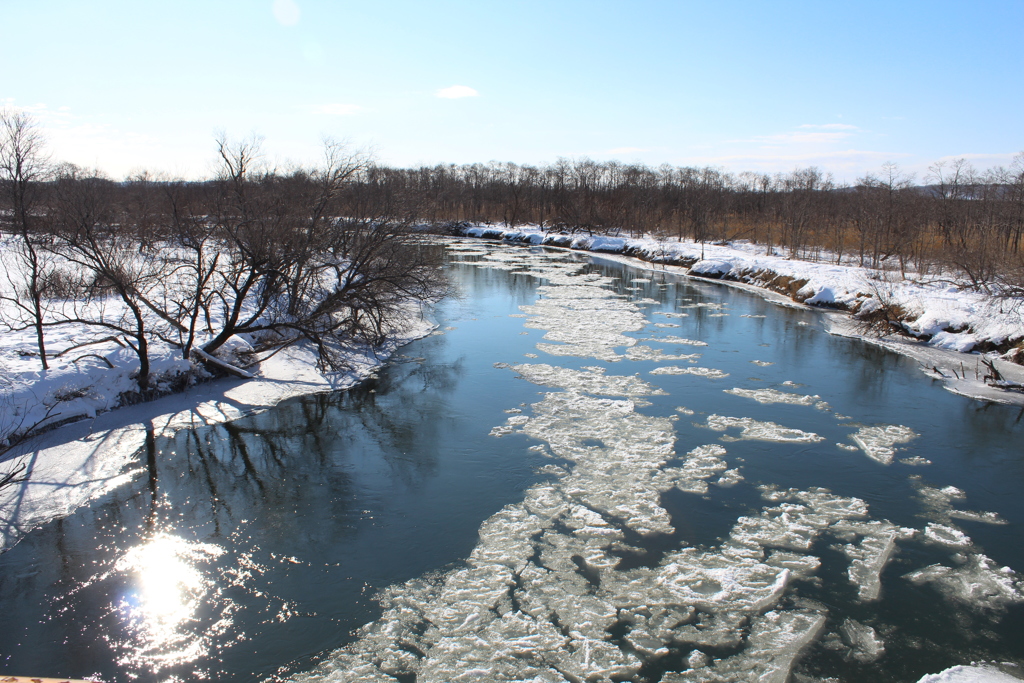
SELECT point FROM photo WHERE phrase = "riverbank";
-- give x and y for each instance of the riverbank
(950, 332)
(64, 468)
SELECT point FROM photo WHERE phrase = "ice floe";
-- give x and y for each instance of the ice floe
(672, 339)
(978, 583)
(760, 431)
(878, 442)
(871, 545)
(975, 673)
(710, 373)
(776, 396)
(586, 381)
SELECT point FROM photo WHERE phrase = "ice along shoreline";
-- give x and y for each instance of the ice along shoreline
(836, 291)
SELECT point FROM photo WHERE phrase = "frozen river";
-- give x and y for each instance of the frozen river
(590, 472)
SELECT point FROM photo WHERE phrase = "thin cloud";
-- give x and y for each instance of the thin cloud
(807, 134)
(801, 138)
(828, 126)
(455, 92)
(337, 109)
(286, 12)
(1005, 156)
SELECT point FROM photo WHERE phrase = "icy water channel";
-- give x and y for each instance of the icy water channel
(588, 473)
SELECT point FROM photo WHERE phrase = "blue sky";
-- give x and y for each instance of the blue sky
(761, 86)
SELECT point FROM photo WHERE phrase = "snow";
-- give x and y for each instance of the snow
(976, 673)
(70, 466)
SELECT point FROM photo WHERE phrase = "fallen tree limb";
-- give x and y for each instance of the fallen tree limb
(226, 367)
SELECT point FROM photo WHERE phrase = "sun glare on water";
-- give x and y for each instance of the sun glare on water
(171, 587)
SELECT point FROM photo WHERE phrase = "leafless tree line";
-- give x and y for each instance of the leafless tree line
(326, 253)
(957, 219)
(323, 254)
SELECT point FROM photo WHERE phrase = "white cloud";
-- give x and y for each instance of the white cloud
(337, 109)
(286, 12)
(455, 92)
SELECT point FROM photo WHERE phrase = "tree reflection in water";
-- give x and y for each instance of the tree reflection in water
(234, 537)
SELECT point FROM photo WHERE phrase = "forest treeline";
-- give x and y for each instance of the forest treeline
(960, 221)
(329, 252)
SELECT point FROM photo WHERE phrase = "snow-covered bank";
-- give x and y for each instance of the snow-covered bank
(68, 466)
(950, 327)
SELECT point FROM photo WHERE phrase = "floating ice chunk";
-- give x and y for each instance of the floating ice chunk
(710, 373)
(514, 420)
(976, 673)
(774, 396)
(877, 442)
(776, 641)
(756, 430)
(870, 555)
(799, 566)
(669, 339)
(729, 478)
(668, 314)
(717, 315)
(651, 627)
(588, 320)
(864, 643)
(753, 316)
(505, 651)
(666, 325)
(684, 410)
(586, 381)
(915, 460)
(615, 477)
(978, 583)
(848, 447)
(714, 582)
(938, 504)
(948, 536)
(701, 464)
(642, 352)
(762, 363)
(985, 517)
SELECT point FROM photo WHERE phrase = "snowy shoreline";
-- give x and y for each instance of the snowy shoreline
(834, 290)
(72, 464)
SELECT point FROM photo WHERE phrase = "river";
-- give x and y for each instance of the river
(588, 472)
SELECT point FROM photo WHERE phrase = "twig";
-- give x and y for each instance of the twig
(95, 355)
(12, 476)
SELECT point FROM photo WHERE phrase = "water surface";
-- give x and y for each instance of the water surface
(542, 489)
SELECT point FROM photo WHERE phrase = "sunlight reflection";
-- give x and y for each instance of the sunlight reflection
(171, 590)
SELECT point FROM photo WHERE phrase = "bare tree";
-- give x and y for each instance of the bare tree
(23, 166)
(91, 238)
